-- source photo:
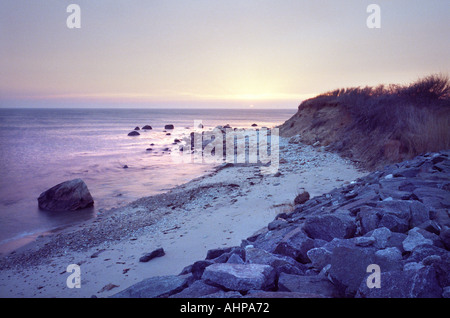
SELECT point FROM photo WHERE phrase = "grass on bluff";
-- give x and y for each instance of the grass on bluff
(382, 124)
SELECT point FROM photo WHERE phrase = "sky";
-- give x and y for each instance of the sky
(212, 53)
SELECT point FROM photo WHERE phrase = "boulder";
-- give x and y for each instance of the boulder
(169, 127)
(318, 285)
(137, 128)
(302, 197)
(414, 239)
(240, 277)
(421, 283)
(159, 286)
(328, 227)
(67, 196)
(149, 256)
(349, 268)
(198, 289)
(279, 262)
(134, 133)
(147, 127)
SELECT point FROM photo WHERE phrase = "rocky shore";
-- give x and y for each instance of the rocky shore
(216, 210)
(395, 220)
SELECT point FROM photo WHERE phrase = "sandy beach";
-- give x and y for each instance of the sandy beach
(217, 210)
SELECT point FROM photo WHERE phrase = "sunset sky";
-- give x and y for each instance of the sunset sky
(212, 53)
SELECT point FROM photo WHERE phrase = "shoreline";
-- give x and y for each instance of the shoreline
(215, 210)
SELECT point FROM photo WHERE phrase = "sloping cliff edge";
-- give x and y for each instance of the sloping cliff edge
(375, 126)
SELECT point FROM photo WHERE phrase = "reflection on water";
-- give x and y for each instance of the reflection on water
(44, 147)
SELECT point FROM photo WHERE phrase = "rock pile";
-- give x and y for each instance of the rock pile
(396, 219)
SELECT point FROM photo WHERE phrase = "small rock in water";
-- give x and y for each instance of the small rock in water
(147, 127)
(125, 167)
(169, 127)
(134, 133)
(137, 128)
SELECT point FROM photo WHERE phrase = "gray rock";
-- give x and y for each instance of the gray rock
(307, 284)
(445, 237)
(149, 256)
(368, 219)
(235, 259)
(319, 257)
(295, 244)
(160, 286)
(415, 239)
(349, 268)
(328, 227)
(197, 289)
(446, 292)
(67, 196)
(240, 277)
(389, 259)
(395, 223)
(278, 262)
(421, 283)
(381, 236)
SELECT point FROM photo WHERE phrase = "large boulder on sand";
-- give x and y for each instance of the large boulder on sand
(67, 196)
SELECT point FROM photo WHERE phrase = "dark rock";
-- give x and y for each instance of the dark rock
(67, 196)
(214, 253)
(279, 262)
(320, 257)
(307, 284)
(280, 294)
(394, 223)
(368, 219)
(149, 256)
(295, 244)
(404, 284)
(197, 268)
(240, 277)
(169, 127)
(235, 259)
(433, 197)
(254, 125)
(160, 286)
(445, 237)
(422, 251)
(348, 268)
(301, 198)
(125, 167)
(430, 226)
(147, 127)
(415, 239)
(198, 289)
(328, 227)
(137, 128)
(134, 133)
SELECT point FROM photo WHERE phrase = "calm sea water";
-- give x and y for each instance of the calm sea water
(40, 148)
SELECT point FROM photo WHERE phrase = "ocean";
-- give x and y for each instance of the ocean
(40, 148)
